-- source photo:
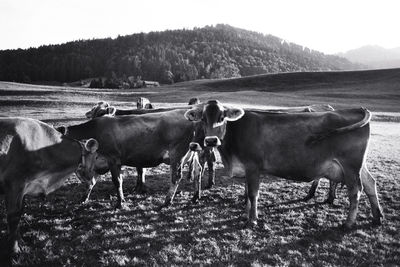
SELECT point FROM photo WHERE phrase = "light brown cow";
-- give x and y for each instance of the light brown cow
(35, 159)
(296, 146)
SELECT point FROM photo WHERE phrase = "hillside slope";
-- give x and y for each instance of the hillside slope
(170, 56)
(374, 56)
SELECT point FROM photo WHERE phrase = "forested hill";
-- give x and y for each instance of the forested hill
(219, 51)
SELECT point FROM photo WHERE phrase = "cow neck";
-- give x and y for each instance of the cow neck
(82, 160)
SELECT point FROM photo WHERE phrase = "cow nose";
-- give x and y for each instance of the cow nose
(194, 146)
(212, 141)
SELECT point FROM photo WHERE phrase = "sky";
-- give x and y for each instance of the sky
(329, 26)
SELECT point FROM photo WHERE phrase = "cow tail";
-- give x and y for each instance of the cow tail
(321, 136)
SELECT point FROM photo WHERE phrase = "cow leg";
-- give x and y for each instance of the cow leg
(332, 193)
(176, 177)
(141, 181)
(354, 188)
(311, 192)
(369, 184)
(253, 186)
(196, 173)
(117, 180)
(14, 206)
(211, 169)
(89, 190)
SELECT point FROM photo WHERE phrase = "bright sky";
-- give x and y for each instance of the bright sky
(329, 26)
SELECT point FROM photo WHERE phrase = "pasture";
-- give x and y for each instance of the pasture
(60, 231)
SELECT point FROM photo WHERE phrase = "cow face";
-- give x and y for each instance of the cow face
(214, 116)
(102, 108)
(85, 171)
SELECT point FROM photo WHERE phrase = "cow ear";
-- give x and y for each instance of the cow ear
(62, 129)
(91, 145)
(111, 111)
(233, 114)
(89, 114)
(194, 114)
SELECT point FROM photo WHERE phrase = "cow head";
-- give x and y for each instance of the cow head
(100, 109)
(85, 171)
(194, 101)
(213, 117)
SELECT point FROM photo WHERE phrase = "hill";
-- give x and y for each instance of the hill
(374, 56)
(211, 52)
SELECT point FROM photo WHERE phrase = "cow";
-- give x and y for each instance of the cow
(208, 155)
(35, 160)
(103, 108)
(295, 146)
(144, 103)
(194, 101)
(144, 141)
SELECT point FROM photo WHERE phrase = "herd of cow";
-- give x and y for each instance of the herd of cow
(302, 144)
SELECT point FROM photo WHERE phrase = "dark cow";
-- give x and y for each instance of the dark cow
(103, 108)
(138, 141)
(35, 159)
(194, 101)
(296, 146)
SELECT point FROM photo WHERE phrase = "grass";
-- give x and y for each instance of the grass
(61, 231)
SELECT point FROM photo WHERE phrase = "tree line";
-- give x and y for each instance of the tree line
(170, 56)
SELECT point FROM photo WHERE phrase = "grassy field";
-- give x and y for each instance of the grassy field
(60, 231)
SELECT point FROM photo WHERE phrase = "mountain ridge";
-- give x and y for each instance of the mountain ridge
(374, 56)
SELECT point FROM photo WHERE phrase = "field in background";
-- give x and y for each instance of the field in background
(60, 231)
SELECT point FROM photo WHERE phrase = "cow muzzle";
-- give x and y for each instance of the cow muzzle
(194, 146)
(212, 141)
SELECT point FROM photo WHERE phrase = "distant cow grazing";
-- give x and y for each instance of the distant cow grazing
(35, 159)
(296, 146)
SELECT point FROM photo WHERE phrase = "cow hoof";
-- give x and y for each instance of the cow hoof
(347, 227)
(195, 199)
(119, 206)
(328, 201)
(250, 225)
(167, 203)
(209, 186)
(140, 189)
(15, 249)
(376, 222)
